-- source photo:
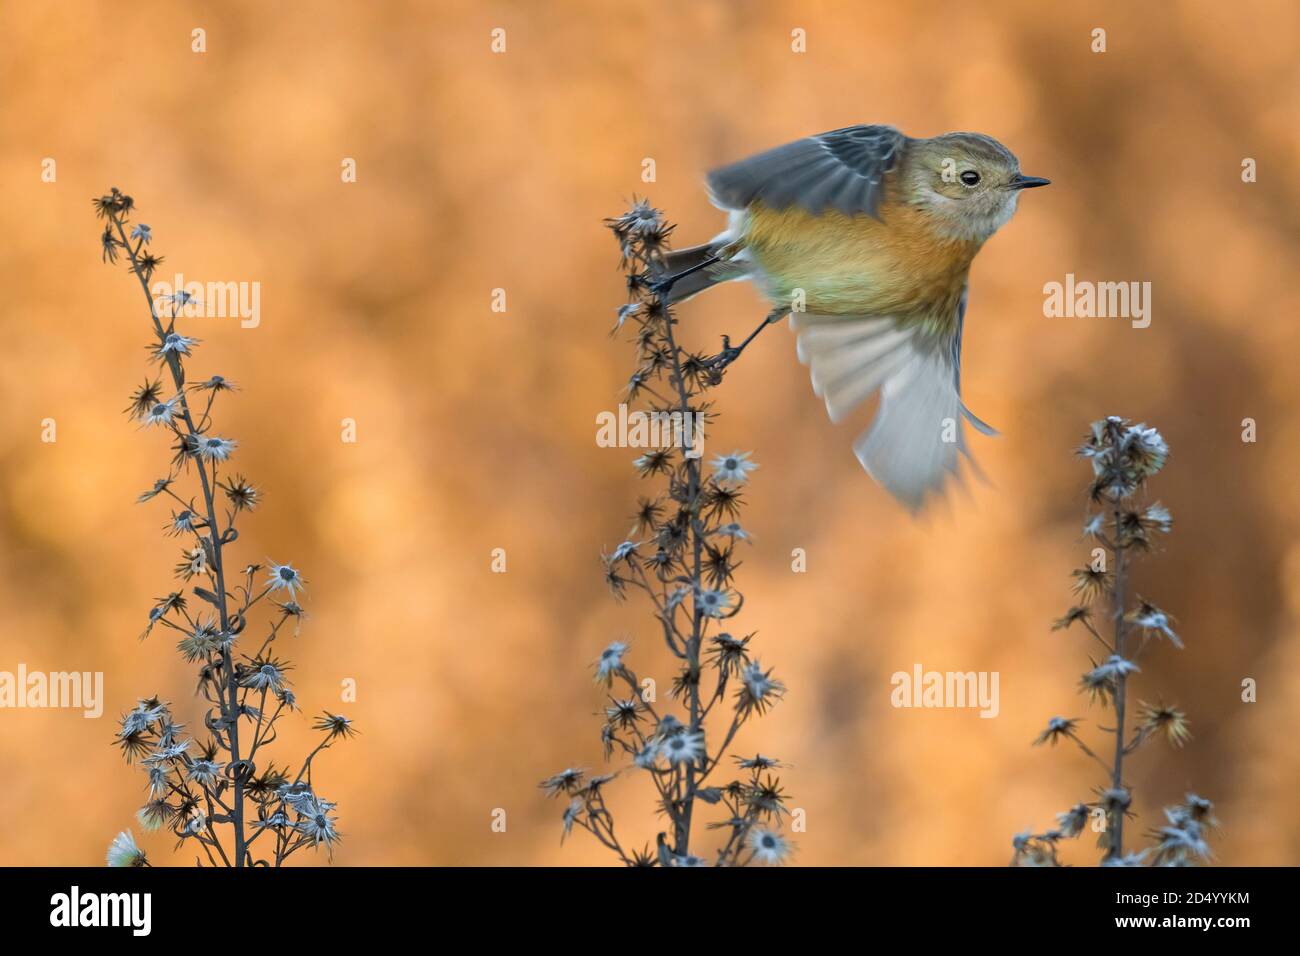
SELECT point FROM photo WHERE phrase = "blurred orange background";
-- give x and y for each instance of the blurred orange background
(479, 171)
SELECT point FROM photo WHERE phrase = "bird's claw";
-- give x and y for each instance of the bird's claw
(724, 358)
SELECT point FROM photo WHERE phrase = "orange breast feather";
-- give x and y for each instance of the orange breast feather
(857, 265)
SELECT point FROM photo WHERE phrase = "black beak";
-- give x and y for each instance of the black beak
(1027, 182)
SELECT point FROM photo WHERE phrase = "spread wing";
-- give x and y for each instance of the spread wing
(842, 170)
(916, 441)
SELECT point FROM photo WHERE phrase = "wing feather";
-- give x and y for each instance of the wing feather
(844, 170)
(916, 440)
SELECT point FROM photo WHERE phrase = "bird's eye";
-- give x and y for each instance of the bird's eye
(970, 177)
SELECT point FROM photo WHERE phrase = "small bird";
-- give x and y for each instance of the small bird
(865, 237)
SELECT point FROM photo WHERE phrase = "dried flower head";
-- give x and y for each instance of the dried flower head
(123, 851)
(335, 725)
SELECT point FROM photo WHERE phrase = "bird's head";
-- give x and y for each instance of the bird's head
(968, 182)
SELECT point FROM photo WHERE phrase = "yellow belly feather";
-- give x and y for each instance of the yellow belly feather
(859, 265)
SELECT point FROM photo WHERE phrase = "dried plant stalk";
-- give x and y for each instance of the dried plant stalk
(682, 556)
(1123, 457)
(212, 795)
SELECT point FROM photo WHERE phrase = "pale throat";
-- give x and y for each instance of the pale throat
(961, 219)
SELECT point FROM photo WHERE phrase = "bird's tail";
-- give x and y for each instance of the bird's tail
(675, 263)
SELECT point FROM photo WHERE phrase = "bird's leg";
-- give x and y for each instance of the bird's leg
(661, 287)
(730, 353)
